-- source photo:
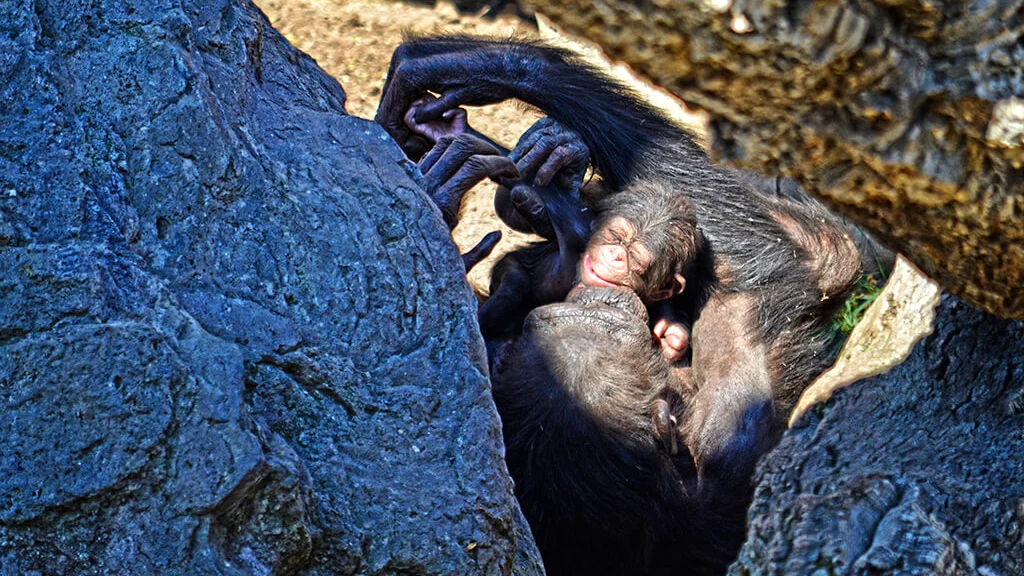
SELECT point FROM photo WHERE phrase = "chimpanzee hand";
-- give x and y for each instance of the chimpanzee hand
(672, 337)
(550, 152)
(555, 159)
(452, 123)
(455, 165)
(459, 70)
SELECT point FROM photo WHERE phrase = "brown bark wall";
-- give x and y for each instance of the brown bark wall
(905, 116)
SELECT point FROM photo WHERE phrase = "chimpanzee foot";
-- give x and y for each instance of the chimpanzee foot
(522, 209)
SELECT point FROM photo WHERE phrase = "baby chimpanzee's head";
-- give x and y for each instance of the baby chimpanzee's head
(645, 239)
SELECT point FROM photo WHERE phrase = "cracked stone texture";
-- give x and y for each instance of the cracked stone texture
(904, 115)
(235, 336)
(918, 471)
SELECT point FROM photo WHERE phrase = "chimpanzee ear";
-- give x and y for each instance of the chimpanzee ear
(679, 285)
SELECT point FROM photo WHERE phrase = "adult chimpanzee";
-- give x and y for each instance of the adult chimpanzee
(585, 397)
(776, 270)
(602, 495)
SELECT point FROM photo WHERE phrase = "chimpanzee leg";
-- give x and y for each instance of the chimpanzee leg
(507, 305)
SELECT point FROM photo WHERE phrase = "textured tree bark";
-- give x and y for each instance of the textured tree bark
(907, 116)
(235, 335)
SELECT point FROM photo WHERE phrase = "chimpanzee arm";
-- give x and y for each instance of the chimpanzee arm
(620, 129)
(731, 422)
(508, 303)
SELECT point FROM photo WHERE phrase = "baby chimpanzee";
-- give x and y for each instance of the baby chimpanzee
(646, 239)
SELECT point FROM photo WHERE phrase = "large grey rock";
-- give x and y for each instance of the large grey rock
(235, 337)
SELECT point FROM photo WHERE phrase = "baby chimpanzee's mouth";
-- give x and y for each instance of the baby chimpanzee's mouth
(590, 275)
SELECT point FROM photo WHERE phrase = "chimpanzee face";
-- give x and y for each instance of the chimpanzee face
(617, 256)
(614, 256)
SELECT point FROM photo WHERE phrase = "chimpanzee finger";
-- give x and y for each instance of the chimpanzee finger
(448, 196)
(566, 155)
(535, 156)
(531, 208)
(409, 119)
(440, 168)
(664, 426)
(482, 250)
(404, 84)
(672, 337)
(395, 100)
(435, 153)
(434, 109)
(529, 139)
(416, 147)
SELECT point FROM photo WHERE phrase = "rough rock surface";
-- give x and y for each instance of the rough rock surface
(235, 337)
(904, 115)
(918, 471)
